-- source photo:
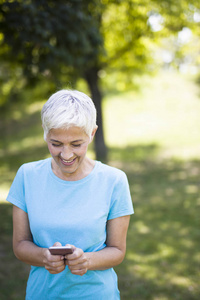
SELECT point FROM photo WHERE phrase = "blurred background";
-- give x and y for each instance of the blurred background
(140, 63)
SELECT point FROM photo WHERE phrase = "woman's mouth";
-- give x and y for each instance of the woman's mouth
(68, 162)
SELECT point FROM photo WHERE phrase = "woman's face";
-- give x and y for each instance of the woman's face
(68, 147)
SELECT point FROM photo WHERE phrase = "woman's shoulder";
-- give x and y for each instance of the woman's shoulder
(35, 165)
(110, 171)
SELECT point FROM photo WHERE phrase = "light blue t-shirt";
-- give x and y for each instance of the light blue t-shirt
(73, 212)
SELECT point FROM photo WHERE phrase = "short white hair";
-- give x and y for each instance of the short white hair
(68, 108)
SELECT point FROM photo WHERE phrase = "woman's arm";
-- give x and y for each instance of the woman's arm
(26, 251)
(113, 254)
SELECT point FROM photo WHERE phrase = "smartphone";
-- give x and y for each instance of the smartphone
(61, 250)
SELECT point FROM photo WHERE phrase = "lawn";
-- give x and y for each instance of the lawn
(153, 135)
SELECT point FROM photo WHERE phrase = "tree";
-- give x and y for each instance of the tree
(53, 39)
(56, 39)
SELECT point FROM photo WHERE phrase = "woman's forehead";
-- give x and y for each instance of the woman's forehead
(72, 133)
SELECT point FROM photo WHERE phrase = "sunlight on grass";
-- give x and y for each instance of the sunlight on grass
(141, 227)
(161, 298)
(28, 142)
(181, 281)
(146, 267)
(167, 112)
(4, 192)
(153, 135)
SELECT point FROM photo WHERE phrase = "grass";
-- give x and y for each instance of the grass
(153, 136)
(166, 111)
(163, 243)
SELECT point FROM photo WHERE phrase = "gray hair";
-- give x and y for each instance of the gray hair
(68, 108)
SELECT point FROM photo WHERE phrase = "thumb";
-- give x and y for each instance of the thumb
(57, 244)
(72, 246)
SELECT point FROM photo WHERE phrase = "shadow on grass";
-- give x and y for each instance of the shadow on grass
(163, 239)
(162, 259)
(21, 142)
(13, 273)
(134, 153)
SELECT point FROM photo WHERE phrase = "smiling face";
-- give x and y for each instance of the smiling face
(68, 148)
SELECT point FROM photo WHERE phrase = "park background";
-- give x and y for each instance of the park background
(150, 102)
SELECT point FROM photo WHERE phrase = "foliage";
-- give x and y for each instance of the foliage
(53, 40)
(47, 36)
(132, 29)
(61, 41)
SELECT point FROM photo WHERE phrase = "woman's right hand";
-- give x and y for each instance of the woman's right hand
(53, 263)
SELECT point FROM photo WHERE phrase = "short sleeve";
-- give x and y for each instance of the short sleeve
(16, 193)
(121, 202)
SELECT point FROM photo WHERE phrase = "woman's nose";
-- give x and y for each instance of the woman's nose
(67, 153)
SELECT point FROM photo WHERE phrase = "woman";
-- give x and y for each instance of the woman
(74, 200)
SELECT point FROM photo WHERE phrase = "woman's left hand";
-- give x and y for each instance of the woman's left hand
(77, 262)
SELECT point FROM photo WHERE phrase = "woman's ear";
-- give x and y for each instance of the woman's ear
(93, 134)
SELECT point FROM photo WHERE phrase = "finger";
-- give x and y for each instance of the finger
(57, 264)
(77, 267)
(77, 253)
(55, 270)
(57, 244)
(71, 246)
(79, 272)
(57, 267)
(55, 258)
(77, 258)
(75, 262)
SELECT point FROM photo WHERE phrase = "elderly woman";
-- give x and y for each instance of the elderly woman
(71, 200)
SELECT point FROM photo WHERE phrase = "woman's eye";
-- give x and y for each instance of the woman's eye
(56, 145)
(77, 145)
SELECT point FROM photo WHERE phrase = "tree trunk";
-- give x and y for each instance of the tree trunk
(91, 76)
